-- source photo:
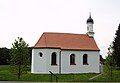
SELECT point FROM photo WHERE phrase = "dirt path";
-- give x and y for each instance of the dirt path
(95, 76)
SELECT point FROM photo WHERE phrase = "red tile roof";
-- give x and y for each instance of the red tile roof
(66, 41)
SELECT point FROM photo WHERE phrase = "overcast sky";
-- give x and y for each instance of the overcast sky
(30, 18)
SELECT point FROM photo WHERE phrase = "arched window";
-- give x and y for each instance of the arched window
(40, 54)
(85, 61)
(72, 59)
(53, 59)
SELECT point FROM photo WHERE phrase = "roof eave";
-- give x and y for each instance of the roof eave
(65, 49)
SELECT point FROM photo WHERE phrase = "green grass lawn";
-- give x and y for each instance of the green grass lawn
(108, 76)
(6, 75)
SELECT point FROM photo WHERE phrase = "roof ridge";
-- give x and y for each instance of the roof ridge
(62, 33)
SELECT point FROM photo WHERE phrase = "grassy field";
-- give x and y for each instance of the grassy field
(108, 76)
(7, 76)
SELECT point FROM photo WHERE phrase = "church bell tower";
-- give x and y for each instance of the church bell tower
(90, 23)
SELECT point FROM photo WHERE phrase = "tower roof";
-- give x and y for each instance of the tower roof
(90, 19)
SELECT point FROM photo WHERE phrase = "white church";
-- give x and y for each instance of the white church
(65, 53)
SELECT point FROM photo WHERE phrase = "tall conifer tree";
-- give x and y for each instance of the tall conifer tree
(116, 47)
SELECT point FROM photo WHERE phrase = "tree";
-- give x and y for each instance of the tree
(101, 59)
(4, 56)
(19, 57)
(116, 47)
(110, 61)
(30, 53)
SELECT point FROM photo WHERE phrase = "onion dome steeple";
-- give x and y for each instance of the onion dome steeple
(90, 23)
(90, 19)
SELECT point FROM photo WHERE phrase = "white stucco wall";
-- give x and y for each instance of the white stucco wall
(38, 63)
(93, 62)
(90, 27)
(43, 64)
(49, 67)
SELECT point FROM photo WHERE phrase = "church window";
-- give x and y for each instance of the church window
(40, 54)
(85, 59)
(87, 28)
(53, 59)
(72, 59)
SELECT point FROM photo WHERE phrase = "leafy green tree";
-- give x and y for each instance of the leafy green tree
(116, 47)
(101, 59)
(30, 53)
(4, 56)
(110, 61)
(19, 57)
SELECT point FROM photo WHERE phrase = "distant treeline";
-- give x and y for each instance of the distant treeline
(5, 55)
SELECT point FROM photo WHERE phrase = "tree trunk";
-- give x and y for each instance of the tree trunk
(19, 72)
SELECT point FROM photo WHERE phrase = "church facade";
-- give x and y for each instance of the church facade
(66, 53)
